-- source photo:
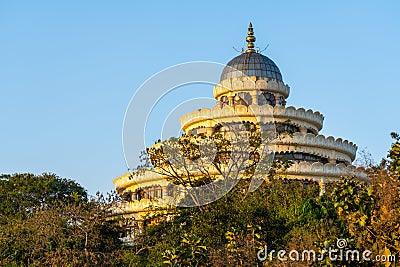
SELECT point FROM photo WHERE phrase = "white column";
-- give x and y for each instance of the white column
(254, 99)
(230, 98)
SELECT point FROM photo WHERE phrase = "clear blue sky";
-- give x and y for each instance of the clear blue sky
(69, 68)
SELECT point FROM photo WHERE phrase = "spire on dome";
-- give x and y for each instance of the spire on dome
(250, 39)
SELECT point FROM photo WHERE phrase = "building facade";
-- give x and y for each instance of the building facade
(252, 89)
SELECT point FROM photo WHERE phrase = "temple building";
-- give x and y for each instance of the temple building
(251, 87)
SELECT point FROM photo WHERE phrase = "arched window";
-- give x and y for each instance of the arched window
(238, 100)
(282, 101)
(243, 99)
(140, 194)
(266, 98)
(286, 128)
(224, 101)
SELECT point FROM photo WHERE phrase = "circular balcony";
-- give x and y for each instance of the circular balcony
(317, 171)
(205, 117)
(326, 147)
(250, 84)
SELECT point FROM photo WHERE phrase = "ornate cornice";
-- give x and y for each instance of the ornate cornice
(250, 84)
(210, 117)
(317, 171)
(138, 208)
(139, 180)
(327, 147)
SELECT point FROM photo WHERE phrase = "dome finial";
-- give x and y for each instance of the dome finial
(250, 39)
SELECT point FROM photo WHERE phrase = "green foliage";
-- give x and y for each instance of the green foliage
(233, 228)
(354, 201)
(394, 155)
(21, 194)
(286, 215)
(49, 221)
(190, 252)
(241, 245)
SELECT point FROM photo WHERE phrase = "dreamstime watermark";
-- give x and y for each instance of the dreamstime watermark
(340, 253)
(151, 92)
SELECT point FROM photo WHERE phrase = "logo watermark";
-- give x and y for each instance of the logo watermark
(340, 253)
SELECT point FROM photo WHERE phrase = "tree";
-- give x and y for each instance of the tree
(21, 194)
(196, 162)
(232, 229)
(384, 231)
(394, 155)
(284, 215)
(50, 221)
